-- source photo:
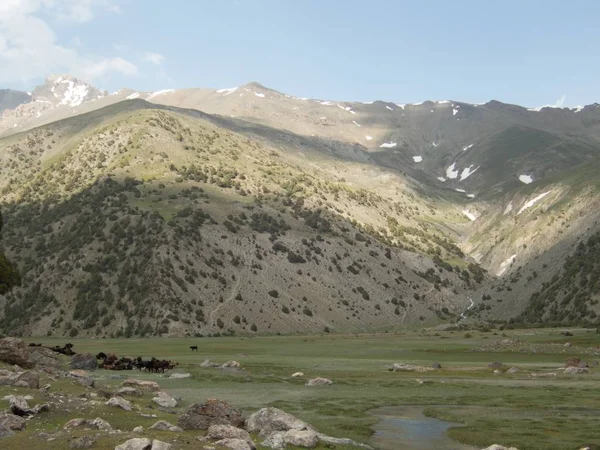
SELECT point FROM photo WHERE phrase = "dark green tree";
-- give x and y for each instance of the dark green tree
(9, 277)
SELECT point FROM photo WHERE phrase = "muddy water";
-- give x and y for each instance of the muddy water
(402, 428)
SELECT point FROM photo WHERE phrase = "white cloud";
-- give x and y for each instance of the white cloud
(154, 58)
(29, 48)
(100, 68)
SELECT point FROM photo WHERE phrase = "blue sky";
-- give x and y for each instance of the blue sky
(528, 52)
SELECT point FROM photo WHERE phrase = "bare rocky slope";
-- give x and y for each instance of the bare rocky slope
(250, 211)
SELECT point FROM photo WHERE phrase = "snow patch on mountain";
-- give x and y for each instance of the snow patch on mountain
(532, 202)
(417, 159)
(508, 208)
(451, 172)
(467, 172)
(460, 190)
(132, 96)
(368, 138)
(442, 179)
(390, 108)
(435, 144)
(157, 93)
(75, 93)
(467, 147)
(454, 111)
(401, 105)
(388, 145)
(227, 91)
(356, 123)
(259, 94)
(525, 179)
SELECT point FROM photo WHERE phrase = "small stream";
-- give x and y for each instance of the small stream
(406, 428)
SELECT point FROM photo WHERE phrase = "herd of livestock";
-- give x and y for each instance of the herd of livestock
(110, 361)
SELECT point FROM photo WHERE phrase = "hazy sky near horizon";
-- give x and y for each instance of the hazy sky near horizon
(528, 52)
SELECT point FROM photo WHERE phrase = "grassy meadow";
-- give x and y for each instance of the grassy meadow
(529, 412)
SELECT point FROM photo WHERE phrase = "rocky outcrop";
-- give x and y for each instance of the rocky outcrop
(12, 422)
(119, 402)
(84, 361)
(151, 386)
(267, 420)
(41, 356)
(572, 370)
(83, 442)
(319, 382)
(208, 363)
(201, 416)
(165, 400)
(499, 447)
(218, 432)
(235, 444)
(14, 351)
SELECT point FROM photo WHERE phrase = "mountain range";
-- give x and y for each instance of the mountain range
(246, 210)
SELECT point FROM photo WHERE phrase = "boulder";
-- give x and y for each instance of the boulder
(301, 438)
(19, 406)
(274, 441)
(12, 422)
(576, 370)
(163, 425)
(201, 416)
(119, 402)
(138, 430)
(130, 391)
(218, 432)
(85, 361)
(319, 382)
(297, 374)
(83, 442)
(74, 423)
(333, 441)
(151, 386)
(436, 365)
(267, 420)
(231, 364)
(136, 444)
(512, 370)
(41, 356)
(14, 351)
(100, 424)
(165, 400)
(28, 379)
(208, 363)
(401, 367)
(235, 444)
(175, 376)
(160, 445)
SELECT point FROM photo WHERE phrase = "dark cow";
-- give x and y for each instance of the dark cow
(194, 348)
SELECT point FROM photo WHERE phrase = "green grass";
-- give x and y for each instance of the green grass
(544, 413)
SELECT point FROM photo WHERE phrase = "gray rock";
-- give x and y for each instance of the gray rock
(152, 386)
(319, 382)
(130, 391)
(499, 447)
(201, 416)
(14, 351)
(512, 370)
(100, 424)
(301, 438)
(231, 364)
(163, 425)
(135, 444)
(19, 406)
(576, 370)
(160, 445)
(83, 442)
(12, 422)
(328, 440)
(267, 420)
(85, 361)
(165, 400)
(41, 356)
(119, 402)
(218, 432)
(208, 363)
(274, 441)
(28, 379)
(235, 444)
(138, 430)
(74, 423)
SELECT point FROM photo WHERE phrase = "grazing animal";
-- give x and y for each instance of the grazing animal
(194, 348)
